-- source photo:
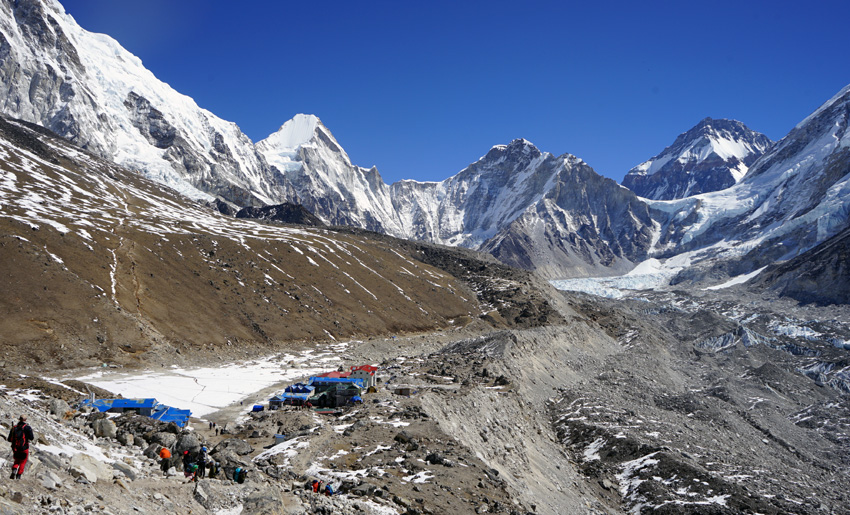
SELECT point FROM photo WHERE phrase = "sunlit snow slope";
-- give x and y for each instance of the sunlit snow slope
(87, 88)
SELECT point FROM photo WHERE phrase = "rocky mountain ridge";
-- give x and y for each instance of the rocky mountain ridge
(529, 208)
(711, 156)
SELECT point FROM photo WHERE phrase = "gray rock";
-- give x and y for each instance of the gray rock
(240, 447)
(165, 439)
(125, 469)
(265, 501)
(105, 428)
(93, 470)
(126, 439)
(48, 483)
(59, 408)
(215, 496)
(152, 451)
(187, 442)
(51, 461)
(51, 480)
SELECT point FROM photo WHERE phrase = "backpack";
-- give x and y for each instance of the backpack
(19, 437)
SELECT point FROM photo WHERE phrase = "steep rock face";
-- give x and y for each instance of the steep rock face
(284, 213)
(821, 275)
(713, 155)
(86, 88)
(585, 224)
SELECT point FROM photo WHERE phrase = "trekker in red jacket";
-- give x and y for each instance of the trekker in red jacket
(20, 437)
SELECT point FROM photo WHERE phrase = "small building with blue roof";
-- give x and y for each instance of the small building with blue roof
(146, 407)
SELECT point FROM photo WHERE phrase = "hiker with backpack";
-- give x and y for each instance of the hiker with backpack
(201, 461)
(20, 437)
(165, 455)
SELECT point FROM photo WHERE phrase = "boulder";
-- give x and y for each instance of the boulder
(51, 461)
(51, 480)
(105, 428)
(364, 490)
(126, 439)
(125, 469)
(240, 447)
(266, 500)
(187, 442)
(152, 451)
(92, 469)
(215, 496)
(403, 437)
(59, 408)
(164, 438)
(435, 458)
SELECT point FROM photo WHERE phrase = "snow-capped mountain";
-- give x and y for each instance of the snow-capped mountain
(475, 204)
(582, 224)
(794, 197)
(527, 207)
(712, 156)
(88, 89)
(325, 181)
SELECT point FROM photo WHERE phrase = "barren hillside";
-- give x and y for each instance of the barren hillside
(102, 265)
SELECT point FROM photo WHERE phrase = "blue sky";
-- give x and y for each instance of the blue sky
(422, 89)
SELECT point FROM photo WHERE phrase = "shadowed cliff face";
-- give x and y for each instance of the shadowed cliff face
(819, 276)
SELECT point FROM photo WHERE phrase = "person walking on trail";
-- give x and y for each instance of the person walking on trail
(202, 462)
(187, 465)
(20, 437)
(165, 455)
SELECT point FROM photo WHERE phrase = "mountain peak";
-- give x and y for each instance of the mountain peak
(712, 155)
(517, 149)
(295, 132)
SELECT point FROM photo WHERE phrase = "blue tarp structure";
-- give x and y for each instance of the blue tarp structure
(147, 407)
(169, 414)
(299, 388)
(327, 381)
(100, 405)
(141, 406)
(297, 394)
(258, 407)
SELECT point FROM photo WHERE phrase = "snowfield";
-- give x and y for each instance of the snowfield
(205, 390)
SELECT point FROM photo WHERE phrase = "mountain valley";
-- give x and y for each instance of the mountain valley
(546, 341)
